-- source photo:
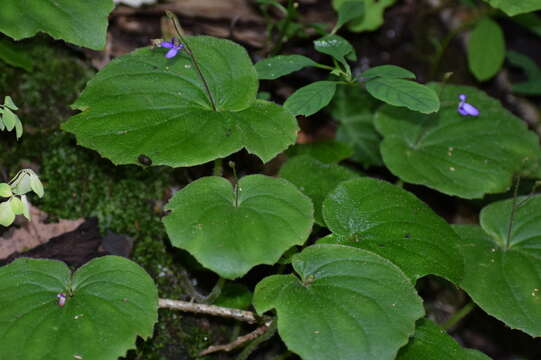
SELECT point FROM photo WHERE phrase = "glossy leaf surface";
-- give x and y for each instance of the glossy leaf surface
(231, 236)
(82, 23)
(345, 304)
(315, 179)
(278, 66)
(145, 104)
(454, 154)
(513, 7)
(391, 222)
(108, 303)
(503, 274)
(311, 98)
(335, 46)
(431, 342)
(486, 49)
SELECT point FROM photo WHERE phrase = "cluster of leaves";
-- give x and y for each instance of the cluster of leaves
(352, 294)
(8, 119)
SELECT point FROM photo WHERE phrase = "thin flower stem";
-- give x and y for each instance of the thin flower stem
(178, 30)
(459, 315)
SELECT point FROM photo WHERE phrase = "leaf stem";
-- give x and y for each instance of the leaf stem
(178, 30)
(459, 315)
(241, 340)
(216, 291)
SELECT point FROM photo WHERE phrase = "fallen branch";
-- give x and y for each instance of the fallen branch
(238, 342)
(241, 315)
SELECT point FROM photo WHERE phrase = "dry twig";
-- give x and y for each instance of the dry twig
(241, 315)
(241, 340)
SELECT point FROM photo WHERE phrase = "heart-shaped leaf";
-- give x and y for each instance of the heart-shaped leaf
(503, 273)
(432, 342)
(278, 66)
(96, 313)
(232, 230)
(315, 179)
(354, 109)
(348, 304)
(454, 154)
(514, 7)
(82, 23)
(373, 14)
(311, 98)
(404, 93)
(486, 49)
(327, 151)
(145, 104)
(377, 216)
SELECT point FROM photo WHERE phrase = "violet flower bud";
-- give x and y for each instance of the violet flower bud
(466, 109)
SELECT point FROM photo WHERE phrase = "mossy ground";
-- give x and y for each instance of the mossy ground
(79, 183)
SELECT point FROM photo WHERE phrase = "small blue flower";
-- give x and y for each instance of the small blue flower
(466, 109)
(172, 45)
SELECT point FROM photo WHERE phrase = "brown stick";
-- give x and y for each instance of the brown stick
(241, 315)
(238, 342)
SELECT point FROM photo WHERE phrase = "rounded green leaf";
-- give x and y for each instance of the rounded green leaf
(82, 23)
(145, 104)
(431, 342)
(315, 179)
(278, 66)
(16, 205)
(108, 303)
(5, 190)
(311, 98)
(486, 49)
(514, 7)
(8, 102)
(457, 155)
(503, 274)
(373, 14)
(348, 11)
(230, 235)
(36, 184)
(388, 71)
(6, 214)
(391, 222)
(404, 93)
(354, 109)
(347, 304)
(335, 46)
(9, 119)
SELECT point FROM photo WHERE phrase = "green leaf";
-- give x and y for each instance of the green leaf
(353, 108)
(514, 7)
(457, 155)
(347, 304)
(16, 205)
(311, 98)
(9, 119)
(432, 342)
(388, 71)
(109, 302)
(278, 66)
(373, 14)
(315, 179)
(530, 21)
(26, 207)
(349, 10)
(15, 55)
(8, 102)
(327, 151)
(230, 236)
(18, 128)
(36, 185)
(20, 185)
(404, 93)
(391, 222)
(533, 72)
(335, 46)
(502, 273)
(5, 190)
(486, 49)
(82, 23)
(143, 103)
(235, 296)
(6, 214)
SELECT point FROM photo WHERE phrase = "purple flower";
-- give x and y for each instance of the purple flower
(466, 109)
(61, 299)
(173, 46)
